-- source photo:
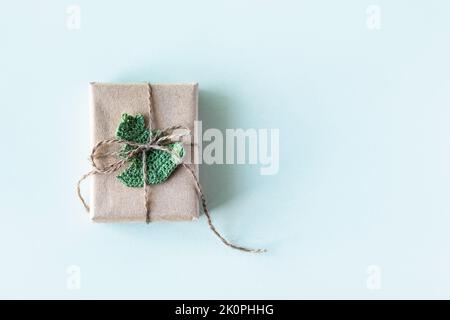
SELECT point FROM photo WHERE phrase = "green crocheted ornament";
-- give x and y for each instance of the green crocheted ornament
(160, 164)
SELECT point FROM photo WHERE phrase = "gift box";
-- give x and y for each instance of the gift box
(172, 104)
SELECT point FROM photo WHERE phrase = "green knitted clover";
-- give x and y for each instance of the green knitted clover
(160, 164)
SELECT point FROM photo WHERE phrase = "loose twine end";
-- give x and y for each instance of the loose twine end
(202, 197)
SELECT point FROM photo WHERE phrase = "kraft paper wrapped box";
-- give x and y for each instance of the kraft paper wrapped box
(173, 104)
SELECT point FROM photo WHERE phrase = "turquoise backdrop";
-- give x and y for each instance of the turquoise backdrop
(360, 91)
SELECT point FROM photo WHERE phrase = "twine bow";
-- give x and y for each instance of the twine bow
(159, 140)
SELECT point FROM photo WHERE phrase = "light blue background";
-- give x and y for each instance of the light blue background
(364, 160)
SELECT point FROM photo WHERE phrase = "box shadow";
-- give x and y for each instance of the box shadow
(218, 180)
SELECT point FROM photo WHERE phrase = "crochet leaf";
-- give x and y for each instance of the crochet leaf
(132, 129)
(160, 164)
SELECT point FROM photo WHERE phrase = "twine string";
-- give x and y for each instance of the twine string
(144, 156)
(159, 141)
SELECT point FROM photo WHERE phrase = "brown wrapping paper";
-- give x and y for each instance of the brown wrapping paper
(173, 104)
